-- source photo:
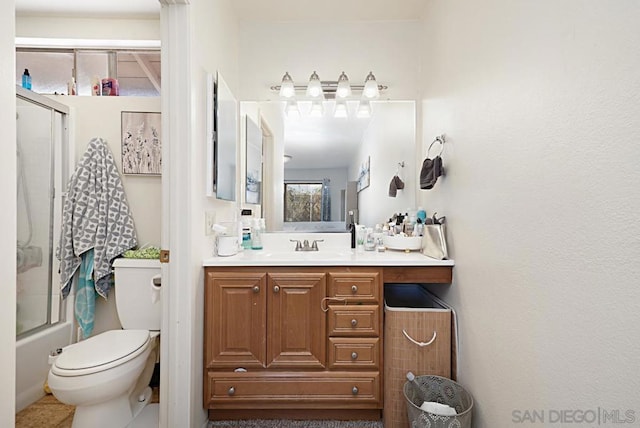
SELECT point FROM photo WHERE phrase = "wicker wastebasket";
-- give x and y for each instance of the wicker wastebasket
(440, 390)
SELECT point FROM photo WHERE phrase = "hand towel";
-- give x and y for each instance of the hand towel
(96, 216)
(431, 170)
(395, 185)
(85, 303)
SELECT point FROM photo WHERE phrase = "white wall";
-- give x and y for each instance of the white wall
(101, 117)
(539, 102)
(214, 36)
(7, 214)
(390, 139)
(87, 28)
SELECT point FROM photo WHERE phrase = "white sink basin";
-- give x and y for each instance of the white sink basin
(304, 255)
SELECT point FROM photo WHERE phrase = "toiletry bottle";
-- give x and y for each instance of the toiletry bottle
(352, 229)
(421, 214)
(245, 218)
(71, 86)
(26, 79)
(96, 86)
(256, 235)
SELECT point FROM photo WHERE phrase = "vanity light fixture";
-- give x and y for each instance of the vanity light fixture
(344, 88)
(329, 89)
(364, 109)
(314, 89)
(287, 88)
(341, 109)
(292, 109)
(317, 108)
(370, 90)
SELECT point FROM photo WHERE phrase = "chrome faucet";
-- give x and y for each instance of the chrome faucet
(304, 246)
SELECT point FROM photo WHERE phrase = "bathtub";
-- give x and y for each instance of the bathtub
(31, 361)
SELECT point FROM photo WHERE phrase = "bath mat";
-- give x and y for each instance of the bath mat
(281, 423)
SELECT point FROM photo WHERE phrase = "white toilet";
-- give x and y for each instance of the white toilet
(107, 376)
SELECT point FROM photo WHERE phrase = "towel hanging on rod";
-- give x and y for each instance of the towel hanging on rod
(432, 168)
(396, 182)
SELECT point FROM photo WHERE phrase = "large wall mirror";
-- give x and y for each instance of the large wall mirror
(314, 164)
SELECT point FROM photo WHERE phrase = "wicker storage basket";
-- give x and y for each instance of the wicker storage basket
(410, 309)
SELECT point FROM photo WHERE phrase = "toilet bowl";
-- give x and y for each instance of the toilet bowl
(107, 376)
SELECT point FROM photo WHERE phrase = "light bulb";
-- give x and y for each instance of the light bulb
(287, 89)
(370, 87)
(364, 109)
(291, 109)
(344, 88)
(314, 89)
(341, 109)
(317, 109)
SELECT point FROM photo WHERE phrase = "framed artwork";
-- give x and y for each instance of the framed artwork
(364, 175)
(141, 143)
(254, 162)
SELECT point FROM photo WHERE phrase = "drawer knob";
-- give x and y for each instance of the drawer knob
(256, 289)
(354, 322)
(354, 355)
(276, 289)
(354, 390)
(354, 289)
(231, 391)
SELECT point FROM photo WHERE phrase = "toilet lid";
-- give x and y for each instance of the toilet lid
(95, 353)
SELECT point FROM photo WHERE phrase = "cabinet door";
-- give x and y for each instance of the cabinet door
(296, 323)
(235, 319)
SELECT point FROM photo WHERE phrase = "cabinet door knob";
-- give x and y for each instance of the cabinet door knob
(256, 289)
(231, 391)
(354, 390)
(354, 289)
(354, 355)
(276, 289)
(354, 322)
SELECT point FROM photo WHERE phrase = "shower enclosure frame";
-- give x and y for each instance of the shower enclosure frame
(60, 160)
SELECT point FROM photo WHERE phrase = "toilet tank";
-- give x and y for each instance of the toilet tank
(137, 290)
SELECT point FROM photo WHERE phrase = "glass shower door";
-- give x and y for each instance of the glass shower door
(38, 129)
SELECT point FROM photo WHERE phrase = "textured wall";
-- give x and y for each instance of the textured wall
(540, 103)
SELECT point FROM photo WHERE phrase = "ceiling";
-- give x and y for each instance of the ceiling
(250, 10)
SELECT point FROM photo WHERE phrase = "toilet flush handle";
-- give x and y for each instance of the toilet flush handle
(156, 282)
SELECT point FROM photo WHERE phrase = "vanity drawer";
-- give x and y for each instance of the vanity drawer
(354, 320)
(286, 390)
(355, 286)
(353, 353)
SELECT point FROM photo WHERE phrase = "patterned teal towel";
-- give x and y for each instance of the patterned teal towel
(85, 306)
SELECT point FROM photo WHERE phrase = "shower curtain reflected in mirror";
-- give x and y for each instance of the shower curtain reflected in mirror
(40, 133)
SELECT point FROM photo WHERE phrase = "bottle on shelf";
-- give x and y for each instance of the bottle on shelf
(26, 79)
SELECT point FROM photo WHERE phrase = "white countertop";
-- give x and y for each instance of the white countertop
(329, 257)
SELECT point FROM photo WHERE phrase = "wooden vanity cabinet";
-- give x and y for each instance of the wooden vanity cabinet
(301, 337)
(259, 320)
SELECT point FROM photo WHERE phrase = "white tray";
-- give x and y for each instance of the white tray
(404, 243)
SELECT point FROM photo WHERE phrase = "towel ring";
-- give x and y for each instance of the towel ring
(439, 139)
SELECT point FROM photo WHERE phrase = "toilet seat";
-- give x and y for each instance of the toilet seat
(102, 352)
